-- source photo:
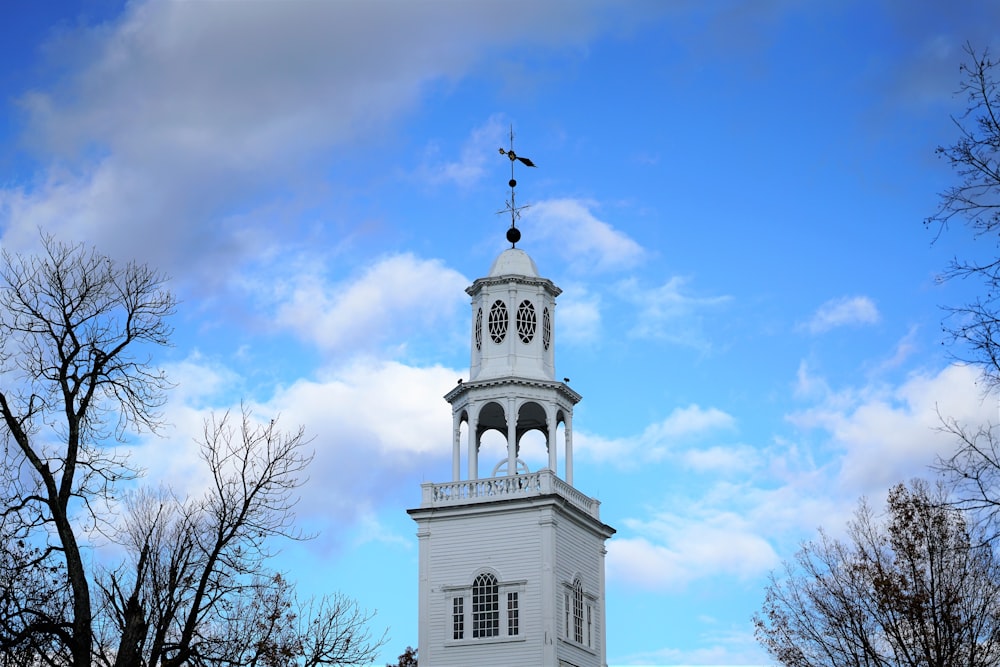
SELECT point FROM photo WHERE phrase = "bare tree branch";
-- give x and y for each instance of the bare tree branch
(919, 589)
(194, 589)
(197, 589)
(73, 371)
(975, 199)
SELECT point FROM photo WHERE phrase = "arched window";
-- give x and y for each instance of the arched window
(488, 615)
(485, 606)
(577, 610)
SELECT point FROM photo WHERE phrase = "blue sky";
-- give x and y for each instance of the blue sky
(730, 195)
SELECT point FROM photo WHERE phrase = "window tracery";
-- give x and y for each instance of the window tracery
(577, 611)
(488, 616)
(479, 329)
(546, 328)
(485, 606)
(526, 321)
(498, 321)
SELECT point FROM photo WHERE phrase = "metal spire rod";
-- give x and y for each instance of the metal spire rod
(513, 234)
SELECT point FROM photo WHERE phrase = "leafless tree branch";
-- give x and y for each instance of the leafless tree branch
(917, 589)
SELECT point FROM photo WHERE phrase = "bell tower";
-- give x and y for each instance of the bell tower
(511, 565)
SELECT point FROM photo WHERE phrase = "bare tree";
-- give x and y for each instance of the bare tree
(918, 589)
(975, 158)
(197, 589)
(194, 588)
(974, 472)
(283, 630)
(73, 372)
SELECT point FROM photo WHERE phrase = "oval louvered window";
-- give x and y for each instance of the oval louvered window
(498, 321)
(526, 321)
(546, 328)
(479, 329)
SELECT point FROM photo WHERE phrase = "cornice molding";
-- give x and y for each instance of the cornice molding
(468, 387)
(491, 281)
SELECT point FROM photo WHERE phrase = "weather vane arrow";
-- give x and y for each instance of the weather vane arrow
(513, 234)
(523, 160)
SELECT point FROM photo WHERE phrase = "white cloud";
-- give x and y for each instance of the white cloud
(479, 148)
(722, 460)
(658, 441)
(375, 427)
(852, 443)
(673, 549)
(587, 243)
(890, 433)
(669, 313)
(693, 419)
(394, 410)
(844, 311)
(905, 349)
(371, 529)
(393, 298)
(199, 381)
(715, 646)
(174, 116)
(808, 385)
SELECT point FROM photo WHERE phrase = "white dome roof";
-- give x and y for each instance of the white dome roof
(514, 261)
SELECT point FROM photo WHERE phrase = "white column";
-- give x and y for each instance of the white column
(473, 442)
(456, 447)
(511, 438)
(553, 429)
(569, 450)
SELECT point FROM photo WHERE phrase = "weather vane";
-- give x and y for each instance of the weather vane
(514, 234)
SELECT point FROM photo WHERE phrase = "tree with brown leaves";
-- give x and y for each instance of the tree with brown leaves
(915, 589)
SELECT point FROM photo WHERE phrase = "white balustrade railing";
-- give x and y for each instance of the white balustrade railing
(539, 483)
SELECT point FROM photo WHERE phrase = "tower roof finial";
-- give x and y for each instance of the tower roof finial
(514, 234)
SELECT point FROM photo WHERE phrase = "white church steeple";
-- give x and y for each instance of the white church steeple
(512, 386)
(512, 320)
(511, 563)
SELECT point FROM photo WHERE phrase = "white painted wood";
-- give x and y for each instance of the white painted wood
(533, 531)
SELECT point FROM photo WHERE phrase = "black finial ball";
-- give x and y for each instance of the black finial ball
(513, 234)
(512, 182)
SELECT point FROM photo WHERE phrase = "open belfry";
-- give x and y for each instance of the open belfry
(511, 561)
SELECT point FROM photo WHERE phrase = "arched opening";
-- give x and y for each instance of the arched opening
(491, 431)
(533, 451)
(532, 434)
(462, 445)
(492, 450)
(560, 444)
